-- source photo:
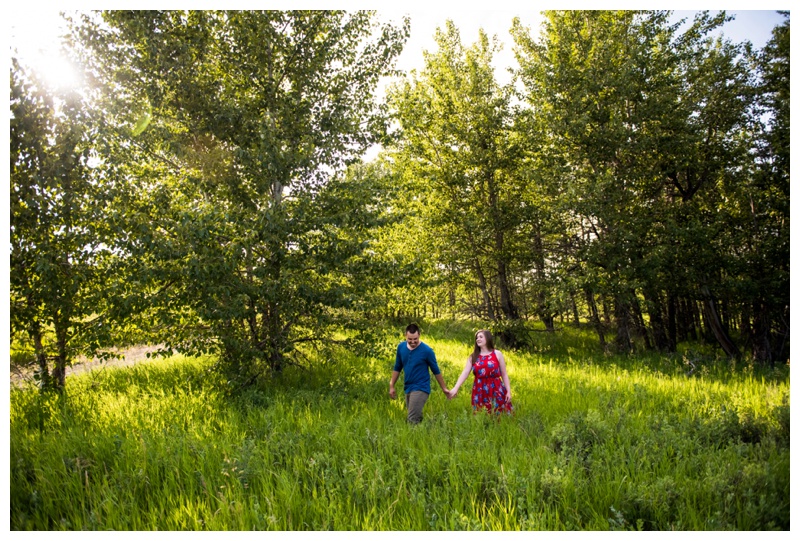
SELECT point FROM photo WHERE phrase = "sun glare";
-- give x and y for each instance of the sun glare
(34, 40)
(56, 71)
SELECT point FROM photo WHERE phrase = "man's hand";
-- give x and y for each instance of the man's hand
(392, 381)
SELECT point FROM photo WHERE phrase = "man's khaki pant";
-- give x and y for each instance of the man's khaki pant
(415, 401)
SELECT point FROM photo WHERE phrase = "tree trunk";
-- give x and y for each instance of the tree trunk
(671, 322)
(273, 338)
(747, 319)
(575, 316)
(41, 356)
(506, 304)
(622, 318)
(595, 318)
(487, 302)
(538, 264)
(687, 322)
(762, 351)
(60, 364)
(725, 316)
(700, 324)
(690, 320)
(745, 329)
(713, 321)
(707, 333)
(606, 310)
(638, 319)
(655, 311)
(274, 322)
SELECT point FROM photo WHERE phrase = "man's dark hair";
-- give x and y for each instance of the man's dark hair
(412, 328)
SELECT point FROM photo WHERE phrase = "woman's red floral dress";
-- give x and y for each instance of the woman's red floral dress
(488, 391)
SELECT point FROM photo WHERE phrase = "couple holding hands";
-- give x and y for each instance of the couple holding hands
(491, 390)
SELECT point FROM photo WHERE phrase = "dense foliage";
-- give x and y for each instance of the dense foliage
(639, 182)
(59, 261)
(204, 190)
(248, 238)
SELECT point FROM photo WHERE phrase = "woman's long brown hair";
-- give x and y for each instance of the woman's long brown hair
(489, 344)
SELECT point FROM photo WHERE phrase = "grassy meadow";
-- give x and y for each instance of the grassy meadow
(597, 443)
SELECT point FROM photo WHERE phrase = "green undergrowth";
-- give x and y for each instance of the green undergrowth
(597, 443)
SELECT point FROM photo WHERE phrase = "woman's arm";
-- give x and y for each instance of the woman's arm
(462, 377)
(504, 372)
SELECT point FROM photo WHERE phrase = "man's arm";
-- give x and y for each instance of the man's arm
(434, 366)
(442, 384)
(392, 392)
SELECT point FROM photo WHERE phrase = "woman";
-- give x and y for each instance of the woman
(491, 390)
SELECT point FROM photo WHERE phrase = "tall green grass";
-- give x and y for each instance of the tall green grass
(597, 443)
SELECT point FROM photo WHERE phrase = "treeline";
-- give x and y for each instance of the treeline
(633, 174)
(203, 189)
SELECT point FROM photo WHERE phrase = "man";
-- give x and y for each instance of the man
(415, 358)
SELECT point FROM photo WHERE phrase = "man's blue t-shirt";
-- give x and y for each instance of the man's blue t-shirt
(414, 365)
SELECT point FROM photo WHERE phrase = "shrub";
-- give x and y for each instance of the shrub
(577, 436)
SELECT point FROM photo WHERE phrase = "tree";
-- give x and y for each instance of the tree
(645, 127)
(458, 144)
(248, 244)
(587, 84)
(416, 286)
(59, 244)
(765, 209)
